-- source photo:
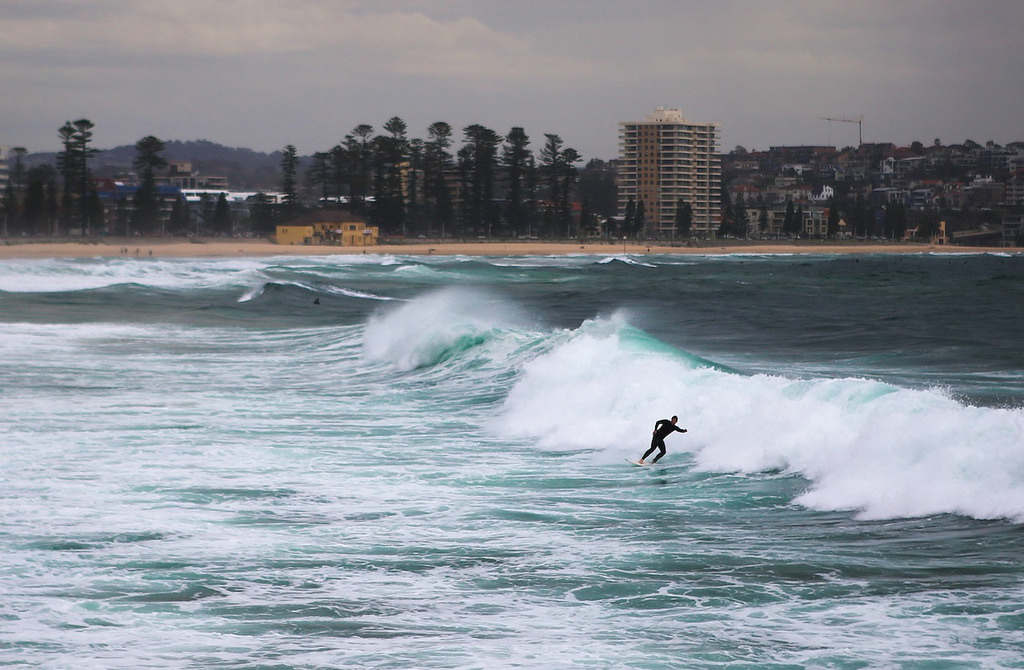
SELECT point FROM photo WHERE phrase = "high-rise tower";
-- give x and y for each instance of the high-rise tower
(4, 167)
(665, 161)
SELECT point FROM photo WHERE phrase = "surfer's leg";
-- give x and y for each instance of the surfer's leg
(655, 444)
(661, 452)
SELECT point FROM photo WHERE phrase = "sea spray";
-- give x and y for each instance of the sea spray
(189, 480)
(591, 391)
(863, 445)
(435, 326)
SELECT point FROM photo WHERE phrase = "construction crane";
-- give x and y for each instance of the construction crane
(854, 119)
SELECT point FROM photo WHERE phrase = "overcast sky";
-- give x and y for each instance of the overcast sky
(266, 73)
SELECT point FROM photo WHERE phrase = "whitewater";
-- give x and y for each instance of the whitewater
(419, 462)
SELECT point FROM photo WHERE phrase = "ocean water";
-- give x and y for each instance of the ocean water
(419, 462)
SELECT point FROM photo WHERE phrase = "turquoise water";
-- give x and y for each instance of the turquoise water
(204, 467)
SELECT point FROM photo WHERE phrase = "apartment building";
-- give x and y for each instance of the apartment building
(4, 166)
(181, 175)
(665, 160)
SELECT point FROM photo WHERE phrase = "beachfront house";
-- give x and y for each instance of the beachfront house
(326, 227)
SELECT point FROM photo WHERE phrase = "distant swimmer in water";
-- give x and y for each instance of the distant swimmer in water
(662, 429)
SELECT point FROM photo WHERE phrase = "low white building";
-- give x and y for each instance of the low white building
(827, 193)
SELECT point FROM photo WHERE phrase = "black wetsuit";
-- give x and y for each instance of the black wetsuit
(662, 429)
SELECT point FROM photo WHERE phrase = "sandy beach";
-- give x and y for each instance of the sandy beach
(222, 247)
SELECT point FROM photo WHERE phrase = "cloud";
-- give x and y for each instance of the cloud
(339, 34)
(145, 27)
(264, 73)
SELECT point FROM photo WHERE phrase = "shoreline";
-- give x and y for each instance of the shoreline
(149, 247)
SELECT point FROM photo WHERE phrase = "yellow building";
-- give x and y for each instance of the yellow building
(328, 228)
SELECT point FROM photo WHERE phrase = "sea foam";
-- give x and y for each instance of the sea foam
(875, 448)
(60, 275)
(434, 326)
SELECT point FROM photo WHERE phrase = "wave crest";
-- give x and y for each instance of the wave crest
(865, 446)
(436, 326)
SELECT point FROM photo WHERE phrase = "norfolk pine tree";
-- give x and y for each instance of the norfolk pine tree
(147, 199)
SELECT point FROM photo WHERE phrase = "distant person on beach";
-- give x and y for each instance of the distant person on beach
(662, 429)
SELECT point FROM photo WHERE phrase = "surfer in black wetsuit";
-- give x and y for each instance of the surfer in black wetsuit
(662, 429)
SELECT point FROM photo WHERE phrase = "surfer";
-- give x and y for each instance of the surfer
(662, 429)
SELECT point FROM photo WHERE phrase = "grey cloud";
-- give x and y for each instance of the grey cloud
(247, 72)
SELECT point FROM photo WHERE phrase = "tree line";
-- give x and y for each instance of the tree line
(492, 184)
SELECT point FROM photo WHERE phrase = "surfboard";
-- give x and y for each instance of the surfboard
(630, 460)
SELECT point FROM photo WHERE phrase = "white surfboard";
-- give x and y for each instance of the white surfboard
(630, 460)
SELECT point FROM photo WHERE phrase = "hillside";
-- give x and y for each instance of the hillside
(245, 169)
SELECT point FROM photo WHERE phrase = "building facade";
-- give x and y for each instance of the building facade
(328, 227)
(665, 161)
(181, 175)
(4, 167)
